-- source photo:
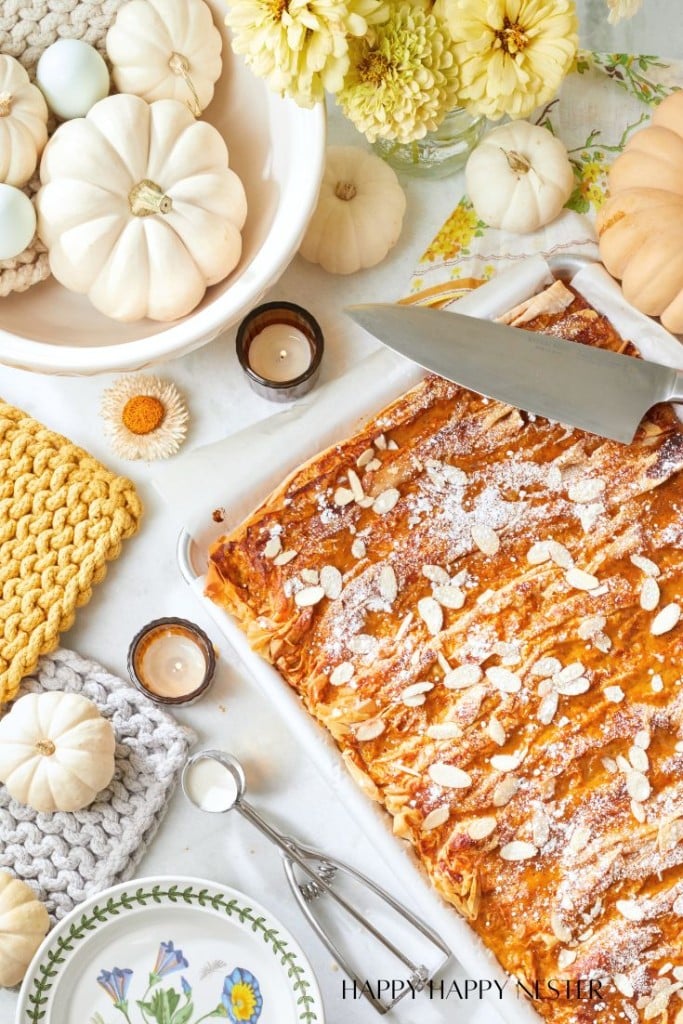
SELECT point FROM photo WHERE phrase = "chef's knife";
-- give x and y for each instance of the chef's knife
(599, 391)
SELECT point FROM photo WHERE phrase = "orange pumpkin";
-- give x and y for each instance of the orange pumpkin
(641, 226)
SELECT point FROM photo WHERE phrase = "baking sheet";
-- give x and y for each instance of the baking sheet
(261, 456)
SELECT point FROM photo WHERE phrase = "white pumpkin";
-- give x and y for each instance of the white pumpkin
(23, 925)
(359, 214)
(519, 177)
(23, 123)
(56, 751)
(166, 49)
(139, 208)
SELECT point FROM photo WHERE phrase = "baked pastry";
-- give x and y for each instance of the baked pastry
(484, 609)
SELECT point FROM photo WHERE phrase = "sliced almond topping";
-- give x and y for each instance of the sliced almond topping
(381, 442)
(309, 596)
(538, 553)
(573, 687)
(559, 928)
(439, 816)
(540, 829)
(572, 671)
(358, 549)
(481, 828)
(623, 985)
(405, 626)
(366, 502)
(415, 690)
(369, 730)
(666, 620)
(630, 910)
(310, 576)
(579, 839)
(385, 501)
(637, 786)
(343, 496)
(388, 584)
(642, 739)
(586, 490)
(677, 906)
(449, 596)
(581, 580)
(547, 709)
(285, 558)
(602, 643)
(657, 684)
(623, 764)
(431, 614)
(610, 765)
(646, 565)
(273, 547)
(565, 958)
(392, 446)
(518, 850)
(496, 732)
(363, 644)
(444, 731)
(560, 555)
(614, 694)
(356, 486)
(677, 973)
(486, 539)
(649, 594)
(435, 574)
(462, 677)
(639, 759)
(590, 626)
(638, 811)
(365, 457)
(507, 762)
(505, 790)
(373, 466)
(546, 667)
(509, 653)
(449, 776)
(342, 674)
(503, 679)
(670, 835)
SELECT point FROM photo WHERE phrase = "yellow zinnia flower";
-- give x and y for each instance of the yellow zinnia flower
(513, 54)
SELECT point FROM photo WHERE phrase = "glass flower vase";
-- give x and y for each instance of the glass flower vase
(440, 153)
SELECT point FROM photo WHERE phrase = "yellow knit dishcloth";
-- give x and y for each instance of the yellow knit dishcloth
(63, 516)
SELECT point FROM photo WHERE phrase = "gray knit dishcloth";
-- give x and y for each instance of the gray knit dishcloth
(67, 857)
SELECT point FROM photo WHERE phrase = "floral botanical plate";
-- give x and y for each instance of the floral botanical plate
(169, 951)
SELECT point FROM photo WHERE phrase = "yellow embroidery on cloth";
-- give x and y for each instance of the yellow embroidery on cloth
(63, 516)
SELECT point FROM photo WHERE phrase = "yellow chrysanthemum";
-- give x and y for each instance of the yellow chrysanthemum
(619, 9)
(300, 46)
(403, 77)
(513, 54)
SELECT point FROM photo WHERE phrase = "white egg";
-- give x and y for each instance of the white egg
(72, 77)
(17, 221)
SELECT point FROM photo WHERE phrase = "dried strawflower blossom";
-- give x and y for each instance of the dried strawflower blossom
(144, 417)
(403, 78)
(513, 54)
(619, 9)
(300, 46)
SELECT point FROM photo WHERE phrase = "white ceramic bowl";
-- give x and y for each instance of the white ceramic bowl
(278, 151)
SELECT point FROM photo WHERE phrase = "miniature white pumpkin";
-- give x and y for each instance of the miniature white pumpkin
(139, 209)
(56, 751)
(166, 49)
(519, 177)
(359, 214)
(23, 925)
(23, 123)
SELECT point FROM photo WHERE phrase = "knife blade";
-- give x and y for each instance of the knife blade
(596, 390)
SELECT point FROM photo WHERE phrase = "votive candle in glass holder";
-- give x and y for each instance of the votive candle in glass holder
(172, 661)
(280, 346)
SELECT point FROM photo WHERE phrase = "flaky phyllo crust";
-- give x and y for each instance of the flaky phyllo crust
(483, 609)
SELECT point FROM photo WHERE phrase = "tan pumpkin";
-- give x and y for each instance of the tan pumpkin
(23, 925)
(23, 123)
(640, 227)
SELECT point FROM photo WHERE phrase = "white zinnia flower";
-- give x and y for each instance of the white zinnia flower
(144, 417)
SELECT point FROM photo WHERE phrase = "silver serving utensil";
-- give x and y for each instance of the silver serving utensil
(321, 871)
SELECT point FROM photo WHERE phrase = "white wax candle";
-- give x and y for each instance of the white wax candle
(171, 663)
(280, 352)
(210, 785)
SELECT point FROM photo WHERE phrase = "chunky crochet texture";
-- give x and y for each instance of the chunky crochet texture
(27, 27)
(66, 857)
(63, 516)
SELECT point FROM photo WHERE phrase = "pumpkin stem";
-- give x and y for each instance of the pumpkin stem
(518, 163)
(345, 190)
(180, 65)
(146, 198)
(45, 747)
(6, 100)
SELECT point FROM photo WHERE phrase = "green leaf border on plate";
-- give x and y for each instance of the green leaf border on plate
(47, 970)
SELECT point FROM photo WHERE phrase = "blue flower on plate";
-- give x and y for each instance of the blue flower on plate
(242, 997)
(187, 988)
(116, 984)
(169, 960)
